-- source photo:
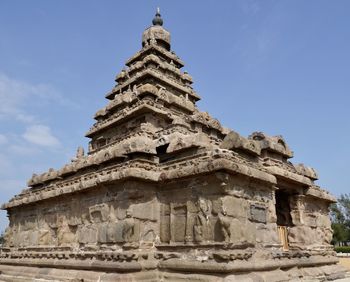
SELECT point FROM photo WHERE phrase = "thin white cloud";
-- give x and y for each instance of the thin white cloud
(16, 100)
(12, 96)
(3, 139)
(16, 94)
(5, 165)
(41, 135)
(23, 150)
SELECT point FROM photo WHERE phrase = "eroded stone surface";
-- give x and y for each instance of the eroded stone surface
(166, 190)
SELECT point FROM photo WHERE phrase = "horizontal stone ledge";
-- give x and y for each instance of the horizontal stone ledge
(282, 173)
(320, 194)
(174, 265)
(161, 50)
(115, 120)
(156, 74)
(246, 266)
(144, 89)
(83, 184)
(222, 245)
(220, 163)
(74, 264)
(203, 166)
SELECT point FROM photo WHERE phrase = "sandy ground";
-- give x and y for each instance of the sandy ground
(345, 262)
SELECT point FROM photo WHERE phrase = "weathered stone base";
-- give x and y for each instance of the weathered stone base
(171, 270)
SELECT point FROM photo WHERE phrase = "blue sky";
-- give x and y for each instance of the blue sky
(281, 67)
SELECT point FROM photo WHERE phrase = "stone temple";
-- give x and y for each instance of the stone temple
(165, 193)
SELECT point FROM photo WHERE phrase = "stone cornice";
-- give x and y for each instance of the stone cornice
(133, 96)
(317, 192)
(144, 171)
(170, 55)
(284, 174)
(163, 65)
(153, 72)
(126, 113)
(216, 164)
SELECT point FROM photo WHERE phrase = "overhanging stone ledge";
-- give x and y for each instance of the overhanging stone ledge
(279, 172)
(209, 165)
(84, 183)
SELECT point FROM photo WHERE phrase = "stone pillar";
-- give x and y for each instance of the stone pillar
(297, 209)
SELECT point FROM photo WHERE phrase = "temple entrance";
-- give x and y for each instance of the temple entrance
(284, 218)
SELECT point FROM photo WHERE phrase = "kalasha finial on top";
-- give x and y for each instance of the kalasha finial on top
(156, 34)
(157, 20)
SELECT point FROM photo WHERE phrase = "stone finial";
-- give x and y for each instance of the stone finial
(156, 34)
(157, 20)
(80, 152)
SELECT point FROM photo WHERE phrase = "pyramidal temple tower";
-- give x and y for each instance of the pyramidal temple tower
(165, 193)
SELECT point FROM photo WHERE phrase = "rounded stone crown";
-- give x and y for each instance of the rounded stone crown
(156, 35)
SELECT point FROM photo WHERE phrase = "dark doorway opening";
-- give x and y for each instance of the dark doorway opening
(283, 210)
(284, 218)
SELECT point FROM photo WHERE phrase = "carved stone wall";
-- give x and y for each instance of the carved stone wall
(116, 214)
(202, 210)
(314, 230)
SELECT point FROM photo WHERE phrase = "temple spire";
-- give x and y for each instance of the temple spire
(157, 20)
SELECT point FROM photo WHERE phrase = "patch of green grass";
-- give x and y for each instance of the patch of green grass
(344, 249)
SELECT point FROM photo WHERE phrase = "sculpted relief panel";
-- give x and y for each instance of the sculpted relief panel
(190, 221)
(200, 214)
(99, 219)
(315, 228)
(207, 221)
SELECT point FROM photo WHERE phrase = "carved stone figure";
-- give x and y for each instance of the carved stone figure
(65, 235)
(225, 224)
(128, 227)
(202, 220)
(87, 233)
(80, 152)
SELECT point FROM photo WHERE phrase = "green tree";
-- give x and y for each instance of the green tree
(344, 202)
(2, 239)
(340, 216)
